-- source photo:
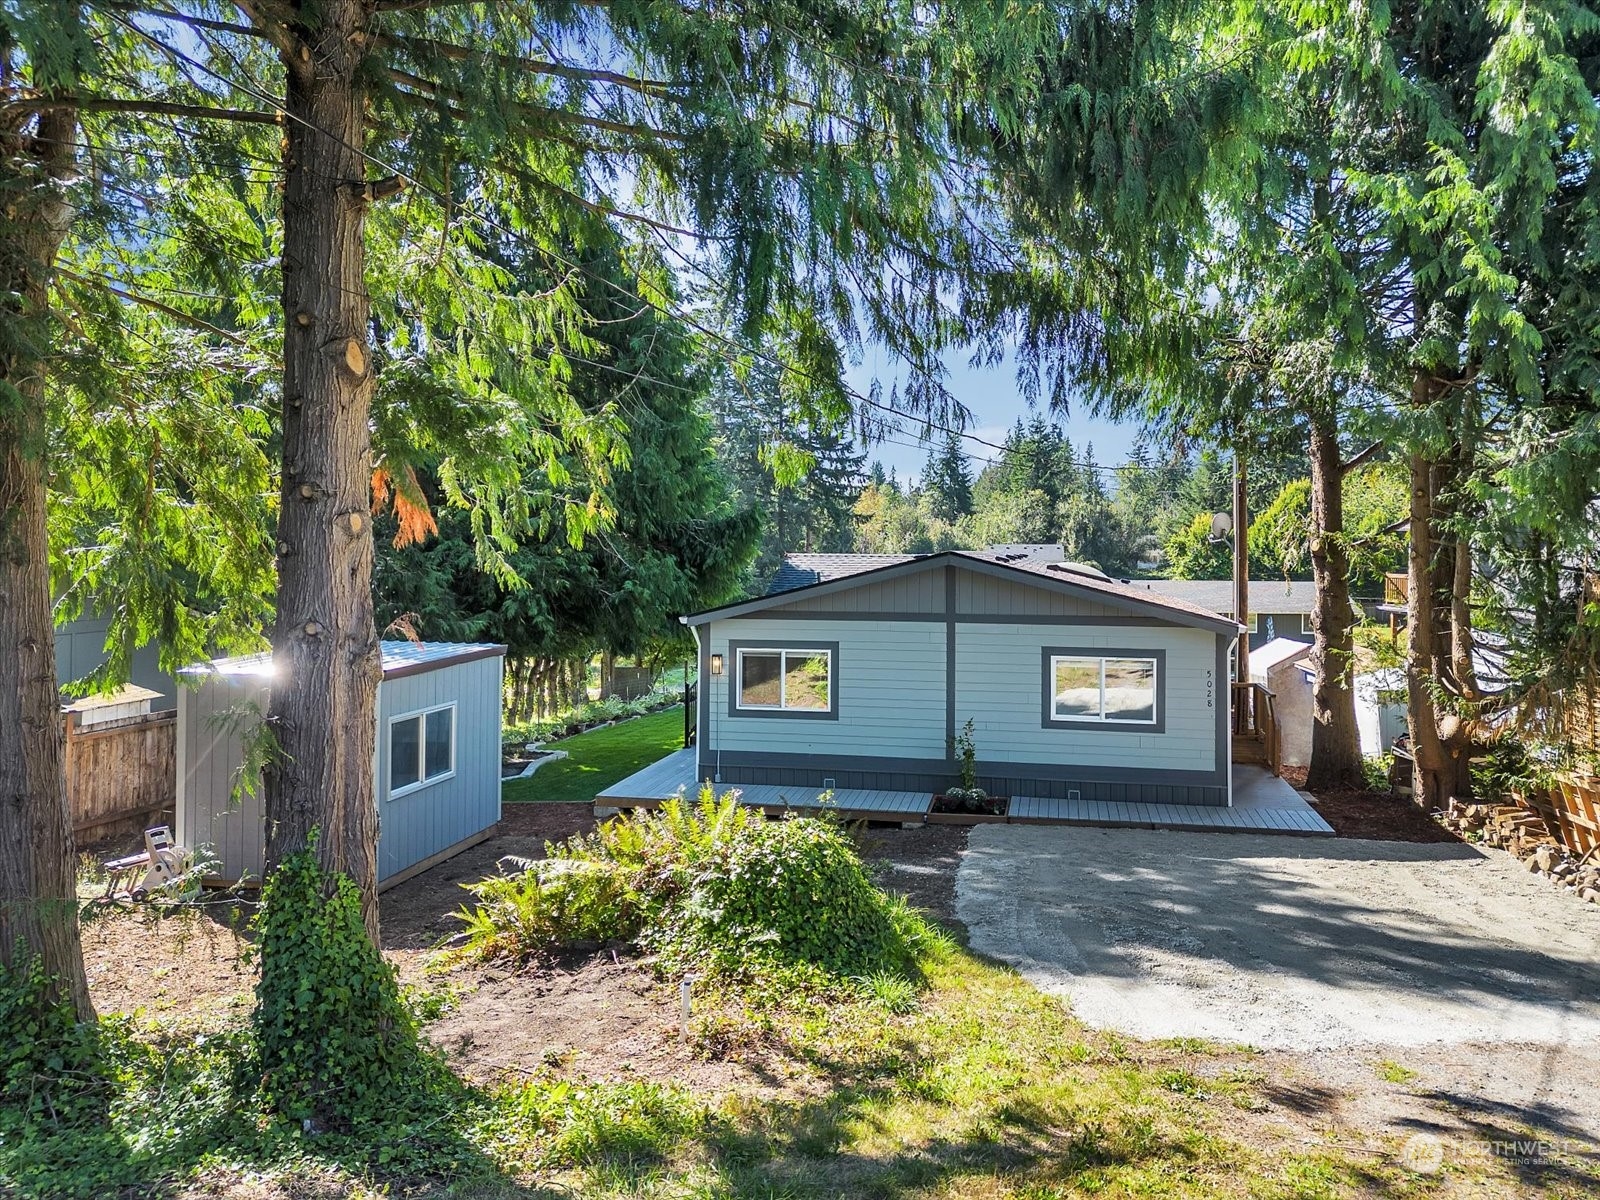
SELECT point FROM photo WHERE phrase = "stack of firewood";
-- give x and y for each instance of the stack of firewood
(1526, 835)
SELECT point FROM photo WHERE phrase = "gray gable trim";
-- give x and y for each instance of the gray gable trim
(1151, 607)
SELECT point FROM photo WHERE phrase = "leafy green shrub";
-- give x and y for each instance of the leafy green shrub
(792, 892)
(711, 885)
(552, 903)
(334, 1040)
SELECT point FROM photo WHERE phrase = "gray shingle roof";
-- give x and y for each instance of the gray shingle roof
(1216, 595)
(806, 570)
(802, 570)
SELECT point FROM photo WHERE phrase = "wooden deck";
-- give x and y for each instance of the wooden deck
(1303, 820)
(1263, 803)
(662, 780)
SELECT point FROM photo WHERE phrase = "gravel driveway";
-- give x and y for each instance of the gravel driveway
(1287, 944)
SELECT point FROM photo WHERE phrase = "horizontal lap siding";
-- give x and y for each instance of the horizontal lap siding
(999, 686)
(433, 818)
(890, 677)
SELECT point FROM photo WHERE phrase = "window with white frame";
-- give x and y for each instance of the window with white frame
(1305, 623)
(1094, 689)
(422, 748)
(783, 680)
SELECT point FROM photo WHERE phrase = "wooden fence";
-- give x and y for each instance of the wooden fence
(121, 774)
(1571, 809)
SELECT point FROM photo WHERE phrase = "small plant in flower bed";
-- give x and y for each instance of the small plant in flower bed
(708, 886)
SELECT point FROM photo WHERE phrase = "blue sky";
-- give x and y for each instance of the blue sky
(992, 396)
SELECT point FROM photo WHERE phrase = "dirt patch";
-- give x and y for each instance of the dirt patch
(598, 1019)
(418, 914)
(1379, 817)
(185, 967)
(920, 863)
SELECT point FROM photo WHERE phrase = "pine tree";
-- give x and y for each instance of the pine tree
(947, 481)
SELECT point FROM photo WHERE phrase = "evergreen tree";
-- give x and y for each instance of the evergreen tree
(947, 481)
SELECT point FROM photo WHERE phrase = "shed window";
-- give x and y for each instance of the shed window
(786, 680)
(1103, 689)
(422, 748)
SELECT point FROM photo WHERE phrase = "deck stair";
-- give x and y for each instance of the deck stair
(1255, 728)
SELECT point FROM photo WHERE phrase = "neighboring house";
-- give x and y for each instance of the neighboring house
(1283, 667)
(1278, 608)
(859, 671)
(1380, 709)
(81, 648)
(437, 766)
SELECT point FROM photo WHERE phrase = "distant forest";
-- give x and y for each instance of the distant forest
(1150, 516)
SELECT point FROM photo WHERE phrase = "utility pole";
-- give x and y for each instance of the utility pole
(1241, 565)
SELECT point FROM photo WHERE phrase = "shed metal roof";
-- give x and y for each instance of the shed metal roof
(802, 572)
(399, 659)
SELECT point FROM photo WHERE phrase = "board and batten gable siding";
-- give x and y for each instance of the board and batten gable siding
(889, 678)
(987, 596)
(429, 819)
(921, 593)
(1000, 687)
(212, 717)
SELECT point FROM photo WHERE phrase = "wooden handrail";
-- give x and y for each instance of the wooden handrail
(1255, 717)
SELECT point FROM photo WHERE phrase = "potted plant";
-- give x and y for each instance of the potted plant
(967, 803)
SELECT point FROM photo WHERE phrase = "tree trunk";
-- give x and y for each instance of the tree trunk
(38, 898)
(1335, 741)
(325, 645)
(1439, 746)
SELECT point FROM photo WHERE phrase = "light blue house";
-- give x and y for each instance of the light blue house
(437, 766)
(858, 672)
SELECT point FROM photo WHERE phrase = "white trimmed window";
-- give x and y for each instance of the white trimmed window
(422, 748)
(1305, 623)
(779, 680)
(1103, 689)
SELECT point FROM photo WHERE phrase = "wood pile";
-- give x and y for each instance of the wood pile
(1522, 831)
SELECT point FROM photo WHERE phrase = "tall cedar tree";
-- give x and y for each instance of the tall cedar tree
(42, 55)
(796, 147)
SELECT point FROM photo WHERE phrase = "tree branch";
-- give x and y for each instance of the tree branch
(106, 282)
(154, 107)
(657, 88)
(1364, 456)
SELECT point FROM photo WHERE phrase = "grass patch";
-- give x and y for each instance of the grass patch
(1392, 1072)
(599, 758)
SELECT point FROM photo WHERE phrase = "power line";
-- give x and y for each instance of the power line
(735, 348)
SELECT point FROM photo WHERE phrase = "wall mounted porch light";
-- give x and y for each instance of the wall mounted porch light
(716, 664)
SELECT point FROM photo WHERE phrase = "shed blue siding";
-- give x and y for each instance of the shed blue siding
(434, 817)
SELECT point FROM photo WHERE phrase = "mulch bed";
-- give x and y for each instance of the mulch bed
(1376, 815)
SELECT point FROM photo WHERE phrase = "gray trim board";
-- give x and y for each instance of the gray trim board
(703, 731)
(435, 664)
(1049, 720)
(1113, 596)
(1222, 696)
(827, 763)
(950, 663)
(783, 714)
(961, 618)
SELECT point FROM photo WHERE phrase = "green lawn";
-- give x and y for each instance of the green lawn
(599, 758)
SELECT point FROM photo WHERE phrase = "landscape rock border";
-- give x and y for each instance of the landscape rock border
(1526, 836)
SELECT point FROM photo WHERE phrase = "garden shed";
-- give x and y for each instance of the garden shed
(436, 769)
